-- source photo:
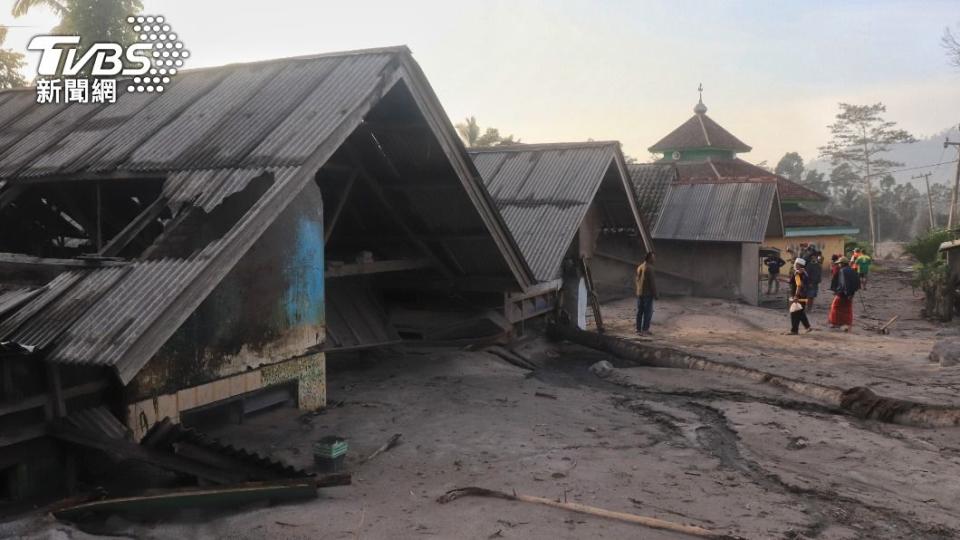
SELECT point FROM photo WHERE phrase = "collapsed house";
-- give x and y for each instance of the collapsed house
(202, 250)
(572, 211)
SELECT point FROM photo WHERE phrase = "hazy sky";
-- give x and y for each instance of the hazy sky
(545, 71)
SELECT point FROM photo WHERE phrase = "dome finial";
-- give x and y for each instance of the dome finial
(700, 108)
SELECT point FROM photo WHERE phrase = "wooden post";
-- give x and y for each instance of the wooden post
(956, 186)
(926, 180)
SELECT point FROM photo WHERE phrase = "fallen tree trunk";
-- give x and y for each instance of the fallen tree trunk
(653, 523)
(859, 401)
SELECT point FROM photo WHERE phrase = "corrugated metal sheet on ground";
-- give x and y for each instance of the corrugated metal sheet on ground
(98, 420)
(543, 195)
(724, 212)
(354, 317)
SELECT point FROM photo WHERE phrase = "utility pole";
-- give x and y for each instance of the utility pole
(926, 180)
(956, 186)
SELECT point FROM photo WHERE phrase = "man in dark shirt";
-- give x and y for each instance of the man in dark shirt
(774, 264)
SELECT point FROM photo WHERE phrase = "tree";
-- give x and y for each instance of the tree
(860, 136)
(11, 62)
(790, 167)
(816, 181)
(92, 20)
(469, 131)
(952, 47)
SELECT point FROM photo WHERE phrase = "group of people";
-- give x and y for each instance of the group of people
(847, 276)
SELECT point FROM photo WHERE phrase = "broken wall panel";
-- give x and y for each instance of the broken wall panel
(268, 308)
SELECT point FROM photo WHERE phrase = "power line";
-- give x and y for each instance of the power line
(884, 173)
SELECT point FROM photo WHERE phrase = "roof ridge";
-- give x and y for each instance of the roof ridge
(391, 49)
(525, 147)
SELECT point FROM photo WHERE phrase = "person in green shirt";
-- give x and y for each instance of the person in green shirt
(863, 268)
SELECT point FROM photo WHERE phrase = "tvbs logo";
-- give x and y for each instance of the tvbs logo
(65, 75)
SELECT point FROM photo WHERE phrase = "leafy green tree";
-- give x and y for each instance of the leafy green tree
(11, 62)
(92, 20)
(860, 136)
(790, 167)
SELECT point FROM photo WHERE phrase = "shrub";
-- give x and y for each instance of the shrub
(926, 248)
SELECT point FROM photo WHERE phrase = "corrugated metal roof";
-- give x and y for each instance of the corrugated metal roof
(543, 193)
(13, 297)
(716, 212)
(651, 181)
(290, 112)
(263, 114)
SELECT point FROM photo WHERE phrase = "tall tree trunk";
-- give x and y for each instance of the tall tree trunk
(873, 226)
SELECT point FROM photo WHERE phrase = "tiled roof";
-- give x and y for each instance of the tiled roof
(737, 170)
(700, 131)
(651, 181)
(795, 218)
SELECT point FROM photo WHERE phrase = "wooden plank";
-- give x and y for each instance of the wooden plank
(340, 204)
(58, 405)
(374, 186)
(129, 450)
(134, 228)
(377, 267)
(181, 499)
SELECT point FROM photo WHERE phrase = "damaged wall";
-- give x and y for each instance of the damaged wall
(714, 267)
(268, 309)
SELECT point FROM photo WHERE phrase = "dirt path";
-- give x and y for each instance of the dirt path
(683, 446)
(896, 364)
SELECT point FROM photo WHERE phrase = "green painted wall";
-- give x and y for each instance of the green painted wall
(699, 154)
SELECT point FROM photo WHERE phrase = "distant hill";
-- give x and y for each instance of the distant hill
(923, 152)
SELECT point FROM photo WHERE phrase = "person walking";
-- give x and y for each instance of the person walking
(774, 263)
(841, 310)
(646, 289)
(834, 271)
(863, 269)
(798, 298)
(814, 270)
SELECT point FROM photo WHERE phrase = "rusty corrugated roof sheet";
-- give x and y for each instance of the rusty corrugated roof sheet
(717, 212)
(543, 193)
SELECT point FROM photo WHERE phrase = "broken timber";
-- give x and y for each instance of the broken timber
(653, 523)
(858, 401)
(190, 498)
